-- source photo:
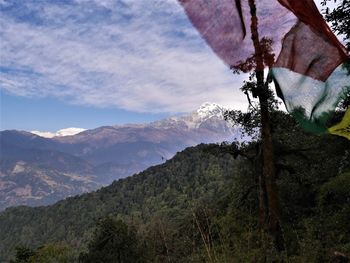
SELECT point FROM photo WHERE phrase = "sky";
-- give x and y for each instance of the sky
(89, 63)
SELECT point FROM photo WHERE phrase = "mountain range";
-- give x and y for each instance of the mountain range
(37, 171)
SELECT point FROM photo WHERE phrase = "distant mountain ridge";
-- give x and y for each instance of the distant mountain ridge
(84, 161)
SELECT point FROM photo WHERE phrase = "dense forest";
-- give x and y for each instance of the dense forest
(200, 206)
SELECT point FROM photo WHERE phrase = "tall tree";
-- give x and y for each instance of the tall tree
(268, 171)
(269, 210)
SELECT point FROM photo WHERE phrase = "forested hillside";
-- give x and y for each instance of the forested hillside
(201, 206)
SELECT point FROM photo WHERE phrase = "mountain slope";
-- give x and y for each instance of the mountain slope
(190, 173)
(101, 155)
(38, 177)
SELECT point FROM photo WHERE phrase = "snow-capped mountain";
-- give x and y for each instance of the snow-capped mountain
(99, 156)
(208, 110)
(193, 120)
(59, 133)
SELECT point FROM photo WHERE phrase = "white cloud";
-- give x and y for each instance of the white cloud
(136, 55)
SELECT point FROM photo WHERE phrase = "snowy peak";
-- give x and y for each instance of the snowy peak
(209, 110)
(69, 131)
(60, 133)
(211, 114)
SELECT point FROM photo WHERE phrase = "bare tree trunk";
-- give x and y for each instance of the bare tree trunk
(269, 207)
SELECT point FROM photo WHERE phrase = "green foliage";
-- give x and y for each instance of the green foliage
(50, 253)
(250, 121)
(113, 242)
(334, 205)
(335, 193)
(53, 253)
(23, 254)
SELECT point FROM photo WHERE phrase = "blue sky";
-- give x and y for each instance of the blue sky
(112, 60)
(50, 114)
(87, 63)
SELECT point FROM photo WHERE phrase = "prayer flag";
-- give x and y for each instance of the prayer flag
(308, 61)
